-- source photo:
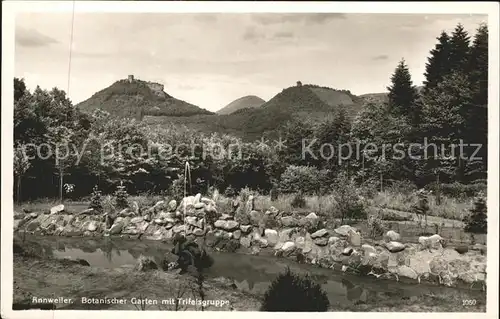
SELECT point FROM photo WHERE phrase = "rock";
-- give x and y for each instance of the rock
(368, 249)
(164, 215)
(116, 229)
(172, 205)
(124, 213)
(321, 241)
(135, 208)
(88, 211)
(197, 199)
(159, 205)
(263, 243)
(288, 246)
(145, 264)
(320, 233)
(391, 235)
(354, 238)
(198, 232)
(136, 220)
(286, 234)
(333, 240)
(226, 217)
(347, 251)
(246, 228)
(57, 209)
(237, 234)
(179, 229)
(191, 220)
(33, 215)
(344, 230)
(228, 225)
(273, 212)
(289, 221)
(160, 221)
(245, 242)
(92, 226)
(271, 236)
(199, 206)
(462, 249)
(207, 201)
(405, 271)
(311, 221)
(71, 261)
(394, 246)
(431, 242)
(147, 217)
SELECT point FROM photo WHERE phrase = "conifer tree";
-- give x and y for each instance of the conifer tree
(459, 49)
(402, 92)
(438, 63)
(477, 118)
(477, 221)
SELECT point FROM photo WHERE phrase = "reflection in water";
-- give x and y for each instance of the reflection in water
(249, 273)
(353, 292)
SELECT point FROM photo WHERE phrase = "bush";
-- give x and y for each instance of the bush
(230, 192)
(121, 197)
(299, 201)
(306, 179)
(348, 199)
(458, 190)
(290, 292)
(421, 208)
(96, 200)
(477, 221)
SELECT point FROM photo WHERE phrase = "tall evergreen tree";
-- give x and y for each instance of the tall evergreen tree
(402, 92)
(438, 63)
(459, 49)
(477, 118)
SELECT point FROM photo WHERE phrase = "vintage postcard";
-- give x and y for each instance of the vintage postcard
(218, 157)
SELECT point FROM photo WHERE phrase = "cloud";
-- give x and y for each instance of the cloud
(32, 38)
(380, 57)
(307, 18)
(283, 34)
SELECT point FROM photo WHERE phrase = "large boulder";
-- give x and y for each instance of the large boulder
(57, 209)
(228, 225)
(320, 233)
(246, 228)
(172, 205)
(354, 238)
(394, 246)
(344, 230)
(116, 228)
(289, 221)
(310, 222)
(288, 246)
(271, 236)
(431, 242)
(391, 235)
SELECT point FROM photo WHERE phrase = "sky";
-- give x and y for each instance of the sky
(212, 59)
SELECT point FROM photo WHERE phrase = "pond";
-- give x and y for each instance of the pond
(249, 273)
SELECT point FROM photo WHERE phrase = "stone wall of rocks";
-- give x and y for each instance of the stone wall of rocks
(283, 234)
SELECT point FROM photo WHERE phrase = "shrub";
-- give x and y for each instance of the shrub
(230, 191)
(96, 200)
(290, 292)
(458, 190)
(244, 194)
(299, 201)
(121, 196)
(306, 179)
(421, 208)
(477, 221)
(349, 201)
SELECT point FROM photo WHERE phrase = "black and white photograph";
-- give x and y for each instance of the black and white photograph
(249, 157)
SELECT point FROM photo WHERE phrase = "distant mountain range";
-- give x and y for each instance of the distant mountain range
(248, 117)
(246, 102)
